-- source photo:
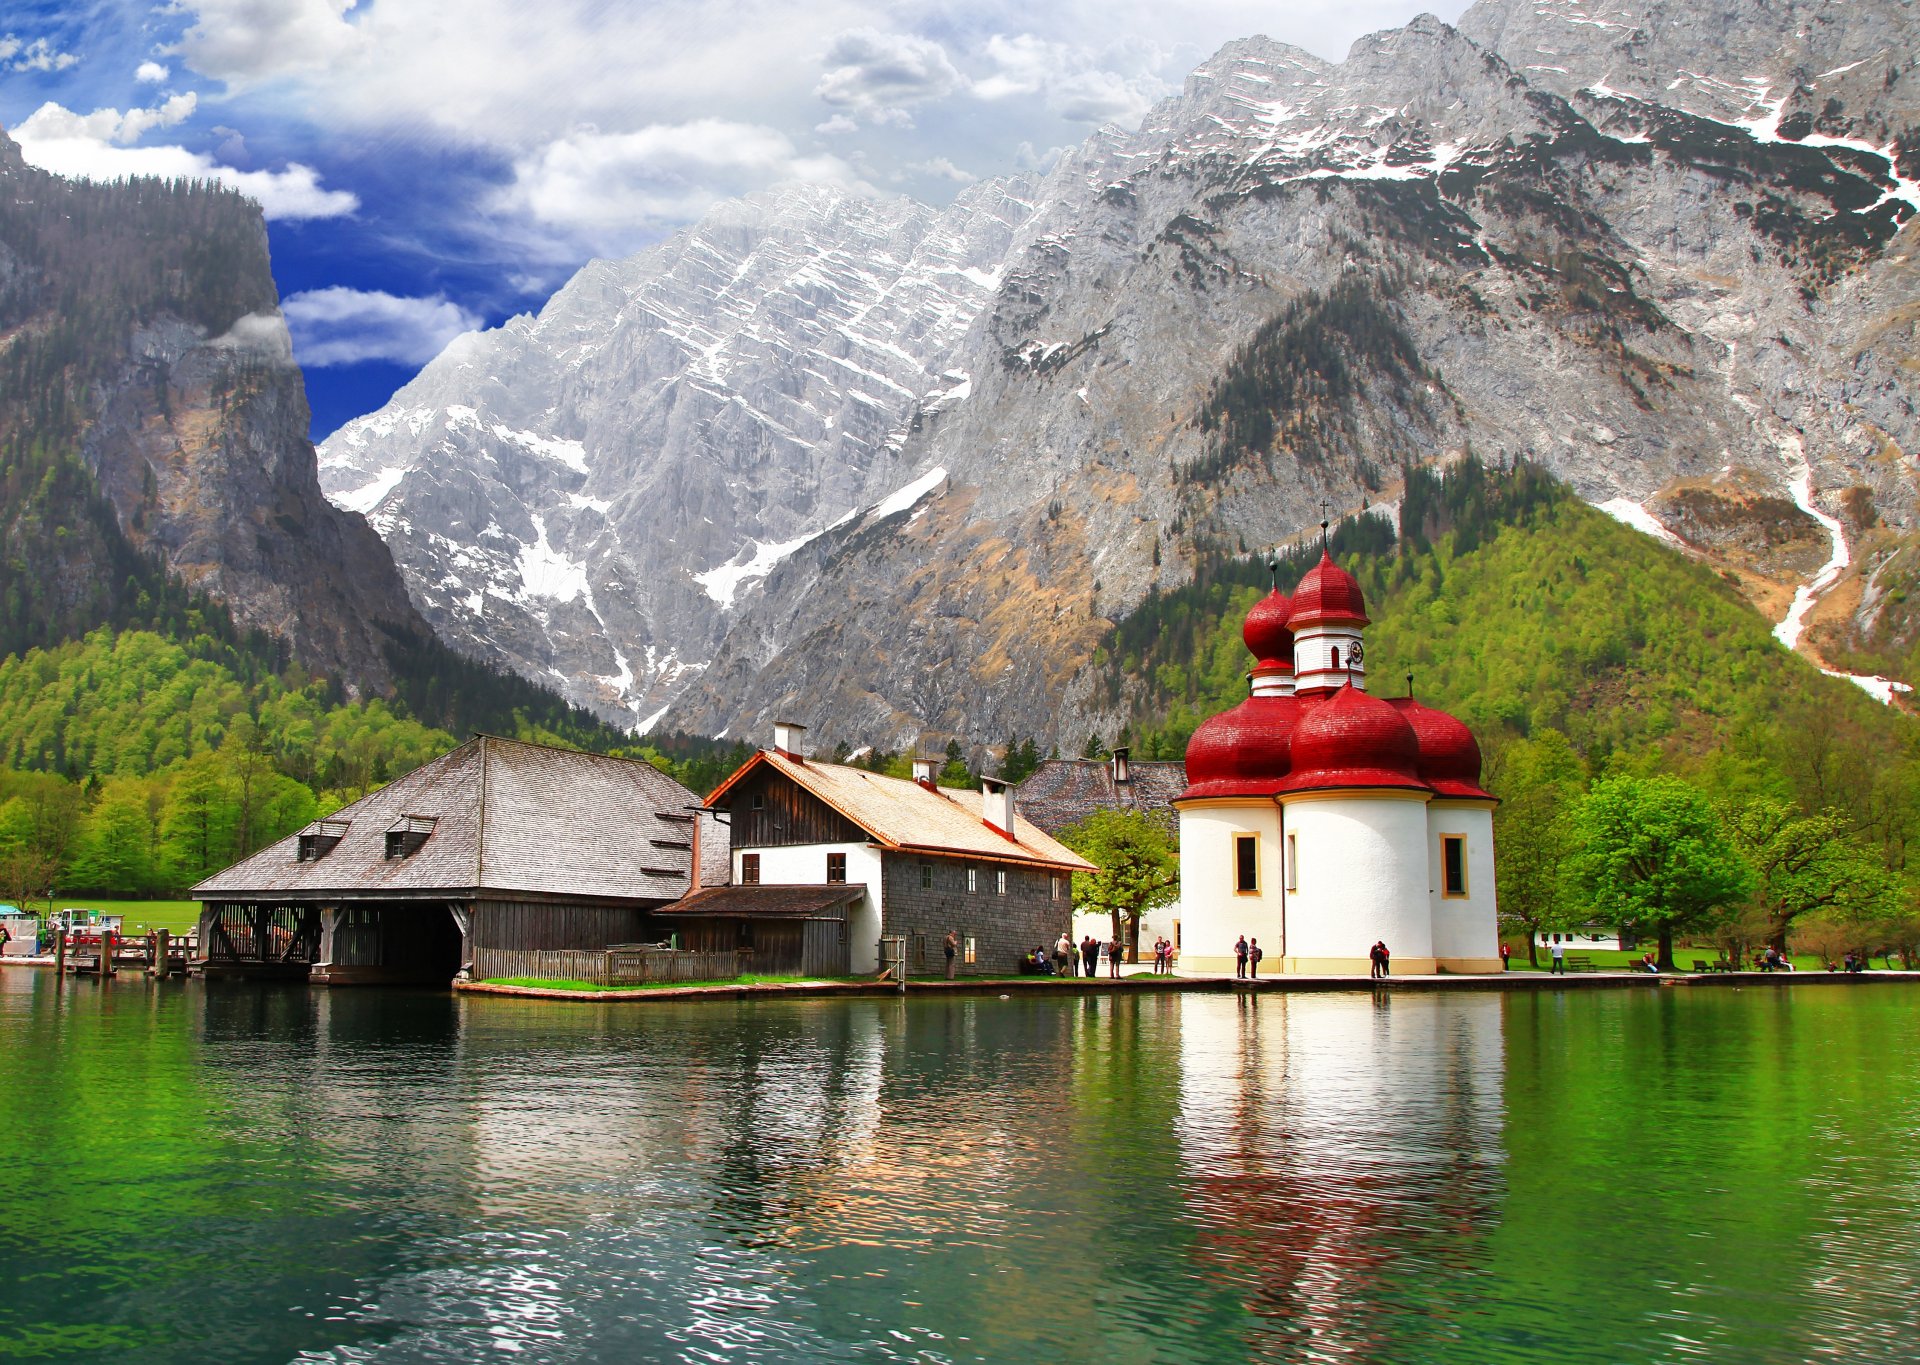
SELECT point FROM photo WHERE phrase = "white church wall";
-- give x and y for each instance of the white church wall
(1466, 932)
(1361, 875)
(1213, 914)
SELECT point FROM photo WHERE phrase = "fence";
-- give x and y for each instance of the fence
(621, 965)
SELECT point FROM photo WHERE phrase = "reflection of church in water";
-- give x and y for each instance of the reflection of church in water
(1319, 819)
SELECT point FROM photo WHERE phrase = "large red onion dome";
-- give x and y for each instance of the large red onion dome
(1353, 740)
(1241, 752)
(1328, 592)
(1266, 633)
(1449, 754)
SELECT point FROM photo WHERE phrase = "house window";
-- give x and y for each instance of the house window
(1453, 866)
(973, 880)
(758, 801)
(970, 953)
(926, 876)
(1053, 887)
(836, 867)
(750, 869)
(1000, 881)
(1246, 864)
(1293, 862)
(407, 834)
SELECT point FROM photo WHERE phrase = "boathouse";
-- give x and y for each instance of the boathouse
(816, 841)
(500, 858)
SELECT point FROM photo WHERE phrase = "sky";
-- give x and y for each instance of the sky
(431, 166)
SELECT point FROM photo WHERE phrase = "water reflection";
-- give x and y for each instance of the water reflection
(275, 1174)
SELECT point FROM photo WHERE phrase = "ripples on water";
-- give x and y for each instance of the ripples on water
(239, 1173)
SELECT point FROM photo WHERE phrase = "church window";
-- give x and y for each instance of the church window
(1336, 656)
(1246, 864)
(750, 869)
(1453, 866)
(1293, 862)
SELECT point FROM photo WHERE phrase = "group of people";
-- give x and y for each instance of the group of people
(1066, 956)
(1381, 959)
(1246, 957)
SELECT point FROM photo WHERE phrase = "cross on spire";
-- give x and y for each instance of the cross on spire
(1323, 524)
(1273, 569)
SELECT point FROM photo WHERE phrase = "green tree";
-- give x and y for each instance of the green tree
(115, 850)
(1649, 854)
(1139, 868)
(198, 822)
(955, 773)
(1807, 865)
(1538, 781)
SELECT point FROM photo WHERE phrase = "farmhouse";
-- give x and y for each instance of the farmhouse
(1320, 819)
(916, 860)
(486, 861)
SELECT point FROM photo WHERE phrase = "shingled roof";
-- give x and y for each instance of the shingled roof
(1065, 791)
(770, 901)
(502, 817)
(902, 814)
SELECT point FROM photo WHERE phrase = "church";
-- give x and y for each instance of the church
(1319, 819)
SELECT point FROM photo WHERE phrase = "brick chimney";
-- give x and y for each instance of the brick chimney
(1121, 772)
(996, 805)
(786, 739)
(924, 770)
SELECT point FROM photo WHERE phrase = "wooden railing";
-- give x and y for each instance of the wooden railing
(626, 964)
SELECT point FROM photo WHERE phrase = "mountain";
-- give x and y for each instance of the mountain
(155, 470)
(1665, 254)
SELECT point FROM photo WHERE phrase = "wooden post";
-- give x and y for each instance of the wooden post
(60, 952)
(106, 953)
(161, 965)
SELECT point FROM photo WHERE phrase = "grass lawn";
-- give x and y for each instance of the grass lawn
(559, 984)
(1683, 958)
(174, 916)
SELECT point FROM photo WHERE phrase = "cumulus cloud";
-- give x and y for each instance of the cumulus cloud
(1075, 83)
(17, 54)
(942, 168)
(881, 74)
(341, 326)
(607, 187)
(243, 41)
(92, 147)
(151, 72)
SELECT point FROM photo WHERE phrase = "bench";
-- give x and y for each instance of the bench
(1579, 962)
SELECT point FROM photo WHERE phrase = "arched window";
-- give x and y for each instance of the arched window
(1336, 657)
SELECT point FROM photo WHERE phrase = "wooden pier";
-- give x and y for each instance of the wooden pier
(107, 954)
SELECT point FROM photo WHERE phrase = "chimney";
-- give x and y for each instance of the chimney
(1121, 772)
(786, 739)
(924, 770)
(996, 805)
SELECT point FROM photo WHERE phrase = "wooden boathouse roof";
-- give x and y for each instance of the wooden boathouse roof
(495, 817)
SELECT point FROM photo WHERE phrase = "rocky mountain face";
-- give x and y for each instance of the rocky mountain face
(1664, 251)
(154, 431)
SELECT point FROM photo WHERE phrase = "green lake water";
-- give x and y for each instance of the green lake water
(233, 1173)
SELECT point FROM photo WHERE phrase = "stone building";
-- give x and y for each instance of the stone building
(1320, 819)
(929, 859)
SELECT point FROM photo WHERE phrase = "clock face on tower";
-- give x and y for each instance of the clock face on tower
(1356, 655)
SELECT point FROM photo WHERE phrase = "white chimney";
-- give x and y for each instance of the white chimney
(1121, 772)
(786, 739)
(996, 805)
(924, 770)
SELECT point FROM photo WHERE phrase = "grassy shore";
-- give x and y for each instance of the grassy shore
(174, 916)
(544, 983)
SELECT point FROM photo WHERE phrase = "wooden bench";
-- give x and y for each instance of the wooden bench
(1579, 962)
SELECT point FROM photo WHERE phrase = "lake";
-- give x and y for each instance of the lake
(236, 1173)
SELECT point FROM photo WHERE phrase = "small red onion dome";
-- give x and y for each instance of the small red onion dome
(1328, 592)
(1449, 754)
(1266, 633)
(1241, 752)
(1353, 740)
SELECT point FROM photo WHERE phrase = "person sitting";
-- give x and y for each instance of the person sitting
(1648, 964)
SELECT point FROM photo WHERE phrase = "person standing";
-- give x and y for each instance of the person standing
(1375, 963)
(1063, 955)
(1386, 959)
(1505, 953)
(1240, 957)
(1089, 955)
(952, 948)
(1559, 964)
(1253, 959)
(1113, 958)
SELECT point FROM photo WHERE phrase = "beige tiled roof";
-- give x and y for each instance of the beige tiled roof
(900, 813)
(507, 817)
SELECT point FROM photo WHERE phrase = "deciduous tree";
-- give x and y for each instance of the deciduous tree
(1139, 864)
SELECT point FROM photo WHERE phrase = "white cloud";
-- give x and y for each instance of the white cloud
(261, 335)
(242, 41)
(17, 54)
(91, 147)
(837, 125)
(151, 72)
(881, 74)
(942, 168)
(340, 326)
(1075, 83)
(612, 186)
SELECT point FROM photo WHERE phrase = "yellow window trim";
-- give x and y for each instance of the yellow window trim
(1238, 839)
(1465, 893)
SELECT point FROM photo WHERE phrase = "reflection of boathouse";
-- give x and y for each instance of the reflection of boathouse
(489, 859)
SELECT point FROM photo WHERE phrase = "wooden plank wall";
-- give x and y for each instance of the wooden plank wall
(788, 815)
(826, 951)
(621, 967)
(530, 926)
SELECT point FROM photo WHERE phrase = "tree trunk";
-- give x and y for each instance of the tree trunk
(1533, 949)
(1665, 959)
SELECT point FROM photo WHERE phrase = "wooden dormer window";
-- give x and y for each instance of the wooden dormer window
(405, 835)
(319, 839)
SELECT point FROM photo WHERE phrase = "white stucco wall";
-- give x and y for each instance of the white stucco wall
(1464, 930)
(1213, 915)
(806, 865)
(1362, 876)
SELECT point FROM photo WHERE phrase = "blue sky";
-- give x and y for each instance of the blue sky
(428, 166)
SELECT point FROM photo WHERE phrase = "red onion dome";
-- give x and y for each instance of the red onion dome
(1266, 633)
(1449, 754)
(1242, 752)
(1353, 740)
(1328, 593)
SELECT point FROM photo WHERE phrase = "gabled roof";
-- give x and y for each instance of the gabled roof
(1065, 791)
(506, 817)
(902, 814)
